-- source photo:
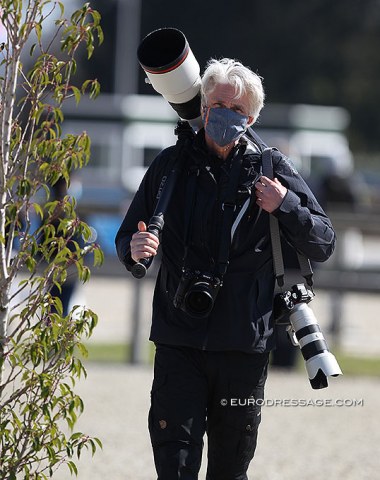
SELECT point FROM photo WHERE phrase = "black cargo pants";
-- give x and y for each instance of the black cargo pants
(194, 392)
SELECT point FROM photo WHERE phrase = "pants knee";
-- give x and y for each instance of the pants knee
(176, 436)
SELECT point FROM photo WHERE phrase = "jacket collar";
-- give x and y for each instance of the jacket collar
(199, 144)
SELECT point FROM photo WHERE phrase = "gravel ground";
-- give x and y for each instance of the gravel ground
(328, 442)
(295, 442)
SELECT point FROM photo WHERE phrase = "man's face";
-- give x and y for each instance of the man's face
(224, 96)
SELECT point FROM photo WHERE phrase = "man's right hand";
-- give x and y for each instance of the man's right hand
(143, 243)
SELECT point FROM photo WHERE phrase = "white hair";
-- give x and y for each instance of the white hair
(242, 78)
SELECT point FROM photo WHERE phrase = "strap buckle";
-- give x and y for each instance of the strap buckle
(229, 205)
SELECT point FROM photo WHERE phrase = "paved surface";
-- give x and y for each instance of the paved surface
(295, 442)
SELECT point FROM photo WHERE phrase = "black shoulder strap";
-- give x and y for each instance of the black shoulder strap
(256, 138)
(185, 136)
(278, 262)
(304, 262)
(229, 207)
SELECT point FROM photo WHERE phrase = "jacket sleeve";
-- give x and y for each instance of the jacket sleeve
(142, 206)
(302, 220)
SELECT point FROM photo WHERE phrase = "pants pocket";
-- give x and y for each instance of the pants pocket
(233, 433)
(160, 422)
(174, 415)
(176, 435)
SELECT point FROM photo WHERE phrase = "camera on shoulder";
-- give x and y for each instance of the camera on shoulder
(196, 292)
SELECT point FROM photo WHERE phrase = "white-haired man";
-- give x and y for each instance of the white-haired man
(212, 310)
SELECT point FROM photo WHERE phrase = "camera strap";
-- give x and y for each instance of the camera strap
(228, 209)
(191, 193)
(278, 262)
(185, 136)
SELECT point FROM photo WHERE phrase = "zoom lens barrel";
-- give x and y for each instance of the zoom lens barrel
(320, 362)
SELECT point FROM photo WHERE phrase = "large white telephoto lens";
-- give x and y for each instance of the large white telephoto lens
(320, 362)
(173, 71)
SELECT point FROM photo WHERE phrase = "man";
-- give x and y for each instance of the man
(212, 347)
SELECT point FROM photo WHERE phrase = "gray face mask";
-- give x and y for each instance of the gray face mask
(223, 125)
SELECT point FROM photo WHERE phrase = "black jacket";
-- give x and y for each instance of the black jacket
(242, 315)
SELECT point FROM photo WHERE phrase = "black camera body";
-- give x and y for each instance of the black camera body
(285, 302)
(196, 292)
(305, 332)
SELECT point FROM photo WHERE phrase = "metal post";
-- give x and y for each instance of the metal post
(136, 346)
(127, 41)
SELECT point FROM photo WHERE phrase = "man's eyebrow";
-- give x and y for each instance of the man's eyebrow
(238, 105)
(235, 105)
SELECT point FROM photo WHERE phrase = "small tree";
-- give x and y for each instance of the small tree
(39, 345)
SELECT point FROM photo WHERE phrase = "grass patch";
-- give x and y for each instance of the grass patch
(108, 352)
(351, 364)
(116, 352)
(355, 365)
(120, 353)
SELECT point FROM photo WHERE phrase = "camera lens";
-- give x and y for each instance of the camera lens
(173, 71)
(163, 50)
(199, 301)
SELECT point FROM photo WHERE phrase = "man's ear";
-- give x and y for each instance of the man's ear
(251, 120)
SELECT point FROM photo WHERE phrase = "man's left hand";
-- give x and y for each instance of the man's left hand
(269, 193)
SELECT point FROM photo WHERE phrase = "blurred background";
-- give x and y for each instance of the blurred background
(320, 64)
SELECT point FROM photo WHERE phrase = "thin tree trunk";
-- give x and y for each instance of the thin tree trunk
(8, 96)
